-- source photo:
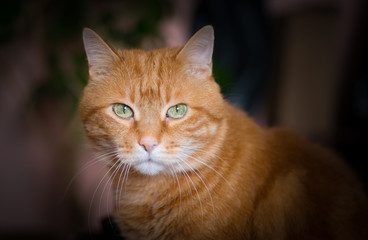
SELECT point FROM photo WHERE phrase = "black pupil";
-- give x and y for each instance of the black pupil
(177, 108)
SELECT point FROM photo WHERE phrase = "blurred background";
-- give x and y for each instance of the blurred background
(300, 64)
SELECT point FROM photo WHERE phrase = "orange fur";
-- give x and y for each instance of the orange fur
(222, 176)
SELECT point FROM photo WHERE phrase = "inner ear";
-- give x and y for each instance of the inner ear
(102, 58)
(197, 52)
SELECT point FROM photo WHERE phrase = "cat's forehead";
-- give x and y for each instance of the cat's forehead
(152, 63)
(154, 76)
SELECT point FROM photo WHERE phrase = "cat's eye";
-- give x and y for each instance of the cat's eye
(177, 111)
(122, 110)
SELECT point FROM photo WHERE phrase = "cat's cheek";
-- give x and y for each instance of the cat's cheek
(206, 132)
(93, 130)
(212, 129)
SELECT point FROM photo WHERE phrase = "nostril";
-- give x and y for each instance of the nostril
(148, 143)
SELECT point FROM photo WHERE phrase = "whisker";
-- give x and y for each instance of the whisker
(205, 185)
(109, 190)
(125, 179)
(117, 191)
(94, 193)
(190, 188)
(177, 180)
(109, 182)
(205, 164)
(126, 175)
(199, 198)
(204, 151)
(87, 165)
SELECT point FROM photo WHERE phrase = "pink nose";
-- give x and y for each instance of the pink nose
(149, 143)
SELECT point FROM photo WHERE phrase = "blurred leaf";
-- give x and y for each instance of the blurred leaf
(223, 77)
(9, 12)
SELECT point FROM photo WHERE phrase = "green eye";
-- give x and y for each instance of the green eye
(177, 111)
(122, 110)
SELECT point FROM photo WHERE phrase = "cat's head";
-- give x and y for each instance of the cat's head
(159, 111)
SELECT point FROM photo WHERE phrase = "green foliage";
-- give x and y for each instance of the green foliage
(223, 77)
(9, 13)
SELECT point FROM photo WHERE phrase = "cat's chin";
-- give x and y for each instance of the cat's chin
(149, 167)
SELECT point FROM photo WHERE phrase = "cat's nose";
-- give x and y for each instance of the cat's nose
(148, 143)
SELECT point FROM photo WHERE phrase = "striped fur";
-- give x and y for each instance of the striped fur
(218, 174)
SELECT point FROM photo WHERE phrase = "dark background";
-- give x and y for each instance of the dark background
(300, 64)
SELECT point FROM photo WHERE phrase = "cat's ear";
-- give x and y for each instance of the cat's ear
(101, 57)
(197, 52)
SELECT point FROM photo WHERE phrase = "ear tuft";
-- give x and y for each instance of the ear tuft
(101, 57)
(197, 52)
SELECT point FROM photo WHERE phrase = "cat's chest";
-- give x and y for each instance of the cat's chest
(145, 199)
(143, 213)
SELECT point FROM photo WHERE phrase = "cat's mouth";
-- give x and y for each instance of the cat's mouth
(150, 161)
(150, 167)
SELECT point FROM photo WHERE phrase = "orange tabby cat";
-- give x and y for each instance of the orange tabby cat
(188, 165)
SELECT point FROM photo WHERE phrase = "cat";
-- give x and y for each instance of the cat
(186, 164)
